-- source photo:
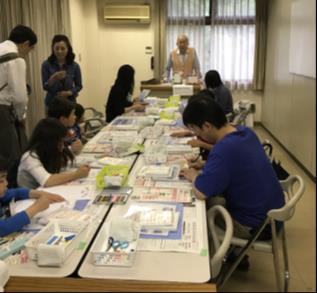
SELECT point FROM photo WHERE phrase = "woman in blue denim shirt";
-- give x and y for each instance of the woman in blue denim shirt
(61, 75)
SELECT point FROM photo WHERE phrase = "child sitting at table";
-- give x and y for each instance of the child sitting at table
(77, 129)
(47, 156)
(64, 110)
(15, 223)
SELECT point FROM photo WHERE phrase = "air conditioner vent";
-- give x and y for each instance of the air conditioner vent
(116, 13)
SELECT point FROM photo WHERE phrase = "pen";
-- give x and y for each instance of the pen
(58, 240)
(51, 240)
(70, 237)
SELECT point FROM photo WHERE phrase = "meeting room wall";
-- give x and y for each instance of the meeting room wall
(102, 48)
(289, 101)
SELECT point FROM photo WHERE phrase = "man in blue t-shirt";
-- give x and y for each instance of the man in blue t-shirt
(237, 167)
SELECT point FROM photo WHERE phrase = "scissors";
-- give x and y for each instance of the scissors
(116, 244)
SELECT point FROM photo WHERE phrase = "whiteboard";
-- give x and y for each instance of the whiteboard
(302, 56)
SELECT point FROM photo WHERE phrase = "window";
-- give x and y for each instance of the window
(221, 31)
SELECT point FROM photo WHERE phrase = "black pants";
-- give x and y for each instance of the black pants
(13, 141)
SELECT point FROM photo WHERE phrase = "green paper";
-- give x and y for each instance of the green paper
(112, 170)
(82, 245)
(204, 252)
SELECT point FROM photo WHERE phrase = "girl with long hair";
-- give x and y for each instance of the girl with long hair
(120, 97)
(47, 156)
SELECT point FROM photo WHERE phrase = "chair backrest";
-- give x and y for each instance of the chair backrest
(229, 117)
(91, 112)
(289, 185)
(92, 126)
(268, 148)
(221, 248)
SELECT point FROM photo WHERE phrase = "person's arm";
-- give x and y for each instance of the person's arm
(50, 81)
(52, 197)
(199, 143)
(197, 65)
(45, 76)
(16, 222)
(77, 81)
(168, 68)
(196, 164)
(76, 146)
(214, 178)
(64, 177)
(191, 174)
(15, 193)
(17, 82)
(136, 107)
(182, 133)
(34, 166)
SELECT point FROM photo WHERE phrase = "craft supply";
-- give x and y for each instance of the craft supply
(55, 242)
(80, 204)
(70, 237)
(117, 196)
(113, 246)
(52, 240)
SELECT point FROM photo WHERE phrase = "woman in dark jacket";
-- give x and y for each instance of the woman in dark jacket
(61, 75)
(120, 97)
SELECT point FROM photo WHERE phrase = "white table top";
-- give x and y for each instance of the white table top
(148, 265)
(31, 269)
(151, 265)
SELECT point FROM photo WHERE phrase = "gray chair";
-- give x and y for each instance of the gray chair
(241, 112)
(229, 117)
(92, 126)
(91, 112)
(94, 122)
(220, 246)
(293, 188)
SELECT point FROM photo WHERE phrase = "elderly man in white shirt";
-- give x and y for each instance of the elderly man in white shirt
(13, 91)
(182, 60)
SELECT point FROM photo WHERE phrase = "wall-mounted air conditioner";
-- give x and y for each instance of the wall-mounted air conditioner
(127, 13)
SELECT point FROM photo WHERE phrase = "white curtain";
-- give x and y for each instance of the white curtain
(46, 18)
(222, 32)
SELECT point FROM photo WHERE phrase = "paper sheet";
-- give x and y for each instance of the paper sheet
(163, 194)
(192, 238)
(71, 193)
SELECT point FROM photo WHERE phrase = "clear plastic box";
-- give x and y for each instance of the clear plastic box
(104, 255)
(46, 252)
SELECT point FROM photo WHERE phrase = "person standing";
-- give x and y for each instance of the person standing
(13, 90)
(182, 60)
(61, 75)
